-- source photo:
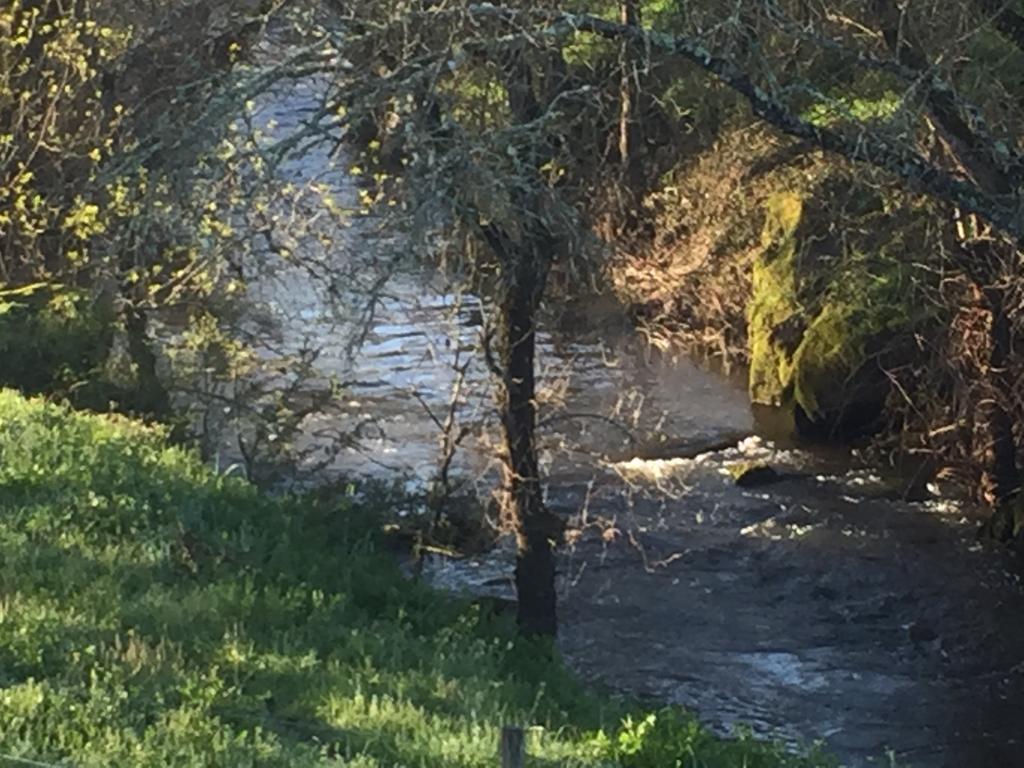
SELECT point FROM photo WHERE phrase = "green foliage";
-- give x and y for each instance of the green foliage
(878, 108)
(52, 340)
(670, 739)
(154, 613)
(479, 101)
(991, 52)
(586, 50)
(128, 158)
(51, 97)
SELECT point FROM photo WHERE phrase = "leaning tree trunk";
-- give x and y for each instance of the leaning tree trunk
(522, 287)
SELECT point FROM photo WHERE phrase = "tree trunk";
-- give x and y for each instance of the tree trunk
(512, 748)
(151, 397)
(1000, 479)
(525, 261)
(535, 566)
(628, 14)
(630, 171)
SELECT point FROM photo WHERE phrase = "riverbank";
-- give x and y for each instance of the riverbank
(854, 305)
(155, 613)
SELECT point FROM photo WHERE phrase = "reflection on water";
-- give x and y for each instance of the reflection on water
(597, 396)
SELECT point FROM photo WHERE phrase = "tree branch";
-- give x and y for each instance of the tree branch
(1009, 23)
(865, 147)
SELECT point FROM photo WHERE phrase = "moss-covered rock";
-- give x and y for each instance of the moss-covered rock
(817, 323)
(774, 305)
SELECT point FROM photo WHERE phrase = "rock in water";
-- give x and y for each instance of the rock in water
(754, 475)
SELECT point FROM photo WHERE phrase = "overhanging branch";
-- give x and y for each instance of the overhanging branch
(865, 147)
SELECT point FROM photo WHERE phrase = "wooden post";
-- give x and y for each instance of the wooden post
(513, 747)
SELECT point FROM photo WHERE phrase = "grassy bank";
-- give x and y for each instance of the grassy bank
(154, 614)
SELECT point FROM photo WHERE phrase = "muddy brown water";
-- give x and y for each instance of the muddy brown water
(819, 607)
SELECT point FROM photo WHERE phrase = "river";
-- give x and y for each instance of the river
(818, 607)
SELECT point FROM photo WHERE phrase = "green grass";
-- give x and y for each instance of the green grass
(155, 614)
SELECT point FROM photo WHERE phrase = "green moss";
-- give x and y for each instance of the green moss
(831, 349)
(871, 109)
(774, 300)
(838, 341)
(809, 350)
